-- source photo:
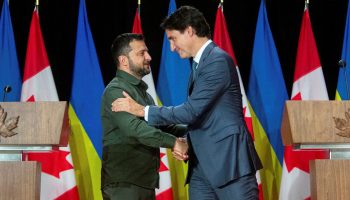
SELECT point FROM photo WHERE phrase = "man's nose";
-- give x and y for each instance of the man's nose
(172, 46)
(148, 56)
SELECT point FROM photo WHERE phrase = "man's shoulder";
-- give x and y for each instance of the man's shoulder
(217, 54)
(116, 87)
(118, 83)
(212, 51)
(217, 51)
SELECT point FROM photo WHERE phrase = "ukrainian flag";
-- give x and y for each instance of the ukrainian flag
(174, 73)
(84, 112)
(9, 68)
(267, 94)
(172, 83)
(343, 83)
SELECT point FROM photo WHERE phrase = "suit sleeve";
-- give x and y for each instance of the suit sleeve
(136, 128)
(212, 81)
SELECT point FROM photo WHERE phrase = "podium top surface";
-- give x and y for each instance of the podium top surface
(39, 123)
(316, 122)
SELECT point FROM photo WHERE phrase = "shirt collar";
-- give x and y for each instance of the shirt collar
(131, 79)
(200, 52)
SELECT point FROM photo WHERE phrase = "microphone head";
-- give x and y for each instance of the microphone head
(7, 89)
(342, 63)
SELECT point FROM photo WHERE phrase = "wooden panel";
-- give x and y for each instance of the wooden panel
(330, 179)
(40, 123)
(312, 122)
(20, 180)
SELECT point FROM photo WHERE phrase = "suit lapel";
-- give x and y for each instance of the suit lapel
(190, 85)
(205, 54)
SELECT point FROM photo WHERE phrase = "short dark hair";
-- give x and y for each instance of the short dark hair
(121, 45)
(187, 16)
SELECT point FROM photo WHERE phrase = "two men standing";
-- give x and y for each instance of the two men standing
(222, 158)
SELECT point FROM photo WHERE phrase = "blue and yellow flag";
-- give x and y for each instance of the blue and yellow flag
(267, 94)
(84, 112)
(172, 83)
(9, 68)
(343, 85)
(174, 73)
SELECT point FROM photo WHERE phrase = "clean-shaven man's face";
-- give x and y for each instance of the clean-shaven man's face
(180, 42)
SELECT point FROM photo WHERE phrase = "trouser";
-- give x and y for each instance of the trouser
(126, 191)
(243, 188)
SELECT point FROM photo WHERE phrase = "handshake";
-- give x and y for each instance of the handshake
(180, 149)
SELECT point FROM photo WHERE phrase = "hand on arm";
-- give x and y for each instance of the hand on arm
(127, 104)
(180, 149)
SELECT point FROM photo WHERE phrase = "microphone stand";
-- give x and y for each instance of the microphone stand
(342, 63)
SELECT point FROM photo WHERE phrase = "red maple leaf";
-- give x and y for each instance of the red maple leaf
(300, 158)
(165, 195)
(162, 166)
(248, 122)
(31, 99)
(69, 194)
(52, 162)
(297, 96)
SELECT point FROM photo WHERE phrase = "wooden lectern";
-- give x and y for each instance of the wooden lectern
(40, 126)
(321, 125)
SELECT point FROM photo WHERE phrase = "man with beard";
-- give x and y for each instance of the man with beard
(130, 159)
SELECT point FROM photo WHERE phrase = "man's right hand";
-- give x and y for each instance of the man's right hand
(180, 149)
(129, 105)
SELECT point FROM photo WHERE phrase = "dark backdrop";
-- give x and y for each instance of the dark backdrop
(109, 18)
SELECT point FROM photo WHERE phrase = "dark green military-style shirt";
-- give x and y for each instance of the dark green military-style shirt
(130, 146)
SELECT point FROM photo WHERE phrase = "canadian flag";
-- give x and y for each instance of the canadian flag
(309, 84)
(57, 177)
(164, 192)
(222, 39)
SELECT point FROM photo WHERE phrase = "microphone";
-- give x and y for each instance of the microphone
(342, 64)
(7, 89)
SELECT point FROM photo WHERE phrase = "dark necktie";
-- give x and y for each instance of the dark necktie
(194, 67)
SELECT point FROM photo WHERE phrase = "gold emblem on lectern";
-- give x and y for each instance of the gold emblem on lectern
(7, 126)
(343, 124)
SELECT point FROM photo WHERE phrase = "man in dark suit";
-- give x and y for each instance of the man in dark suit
(130, 160)
(222, 158)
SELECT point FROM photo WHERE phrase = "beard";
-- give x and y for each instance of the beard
(140, 70)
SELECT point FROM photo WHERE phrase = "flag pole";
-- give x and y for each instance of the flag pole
(37, 5)
(139, 6)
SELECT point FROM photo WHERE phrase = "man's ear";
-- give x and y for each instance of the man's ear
(190, 31)
(123, 60)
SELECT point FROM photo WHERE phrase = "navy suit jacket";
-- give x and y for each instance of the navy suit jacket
(213, 112)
